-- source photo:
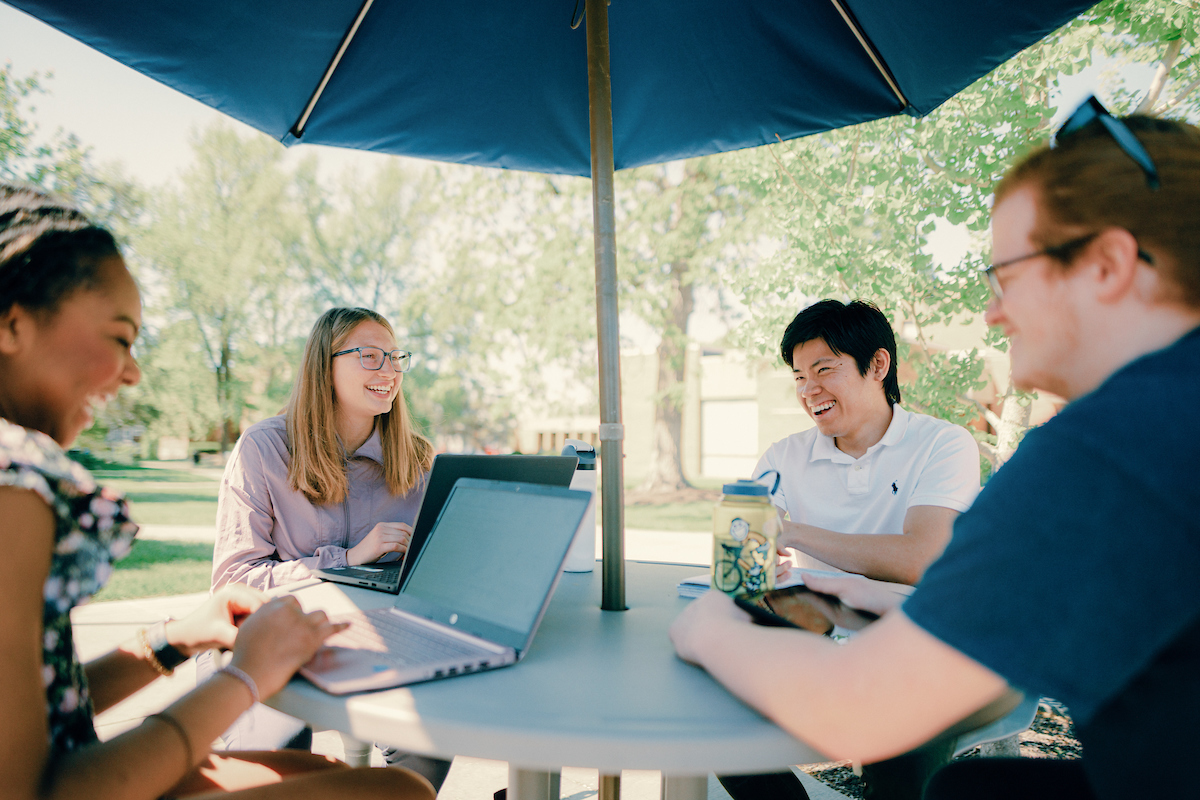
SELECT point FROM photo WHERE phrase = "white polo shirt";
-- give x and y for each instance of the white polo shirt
(920, 461)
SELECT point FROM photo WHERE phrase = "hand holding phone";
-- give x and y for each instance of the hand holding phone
(801, 607)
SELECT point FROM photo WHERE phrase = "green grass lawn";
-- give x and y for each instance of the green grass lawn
(163, 496)
(183, 497)
(158, 569)
(671, 517)
(109, 473)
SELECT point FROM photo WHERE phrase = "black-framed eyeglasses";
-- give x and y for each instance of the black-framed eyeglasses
(1092, 109)
(1064, 252)
(372, 358)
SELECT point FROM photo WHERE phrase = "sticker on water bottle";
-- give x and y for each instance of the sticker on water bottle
(743, 567)
(739, 529)
(756, 561)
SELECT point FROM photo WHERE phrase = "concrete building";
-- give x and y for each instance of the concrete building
(735, 406)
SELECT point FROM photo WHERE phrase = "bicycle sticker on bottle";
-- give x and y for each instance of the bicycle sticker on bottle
(745, 527)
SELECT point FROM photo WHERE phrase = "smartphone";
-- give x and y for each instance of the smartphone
(801, 607)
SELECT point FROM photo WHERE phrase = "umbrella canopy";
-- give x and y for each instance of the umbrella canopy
(515, 84)
(504, 84)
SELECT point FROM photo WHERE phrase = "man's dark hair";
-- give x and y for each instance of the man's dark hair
(858, 330)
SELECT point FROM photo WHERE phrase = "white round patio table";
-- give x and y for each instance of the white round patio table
(597, 689)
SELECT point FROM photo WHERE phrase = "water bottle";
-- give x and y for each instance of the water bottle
(745, 529)
(582, 555)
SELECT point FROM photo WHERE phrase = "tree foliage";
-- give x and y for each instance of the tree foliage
(854, 208)
(62, 164)
(16, 132)
(214, 248)
(676, 223)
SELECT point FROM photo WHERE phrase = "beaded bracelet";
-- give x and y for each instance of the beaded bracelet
(241, 675)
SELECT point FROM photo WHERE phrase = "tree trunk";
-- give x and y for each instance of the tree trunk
(666, 463)
(1014, 421)
(224, 396)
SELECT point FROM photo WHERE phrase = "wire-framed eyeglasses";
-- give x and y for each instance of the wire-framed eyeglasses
(1064, 252)
(1092, 110)
(372, 358)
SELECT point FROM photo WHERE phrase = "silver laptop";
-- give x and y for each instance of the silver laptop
(389, 576)
(475, 597)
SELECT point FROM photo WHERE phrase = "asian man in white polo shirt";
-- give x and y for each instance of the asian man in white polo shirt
(872, 488)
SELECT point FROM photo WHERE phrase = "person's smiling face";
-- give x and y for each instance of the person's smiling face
(1038, 312)
(361, 394)
(841, 401)
(78, 356)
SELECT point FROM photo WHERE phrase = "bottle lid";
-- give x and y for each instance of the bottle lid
(587, 458)
(746, 487)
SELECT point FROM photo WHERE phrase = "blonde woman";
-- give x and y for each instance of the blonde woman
(69, 315)
(335, 481)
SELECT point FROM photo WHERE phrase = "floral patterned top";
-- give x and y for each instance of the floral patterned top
(92, 529)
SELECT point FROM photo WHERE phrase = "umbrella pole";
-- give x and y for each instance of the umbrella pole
(612, 468)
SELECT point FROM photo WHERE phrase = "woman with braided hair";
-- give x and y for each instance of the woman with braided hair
(69, 315)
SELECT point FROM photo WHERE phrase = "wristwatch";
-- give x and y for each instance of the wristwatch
(164, 652)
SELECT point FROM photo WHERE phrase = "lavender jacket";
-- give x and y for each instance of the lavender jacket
(268, 534)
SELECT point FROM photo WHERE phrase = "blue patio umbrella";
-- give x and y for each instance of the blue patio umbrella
(515, 84)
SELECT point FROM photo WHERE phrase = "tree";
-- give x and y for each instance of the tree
(520, 256)
(677, 223)
(63, 165)
(16, 133)
(528, 251)
(401, 242)
(213, 250)
(854, 207)
(359, 243)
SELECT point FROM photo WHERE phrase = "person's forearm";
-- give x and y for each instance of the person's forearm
(116, 675)
(756, 663)
(803, 683)
(885, 557)
(147, 761)
(855, 701)
(266, 573)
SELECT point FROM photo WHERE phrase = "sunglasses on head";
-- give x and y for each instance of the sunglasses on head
(1092, 110)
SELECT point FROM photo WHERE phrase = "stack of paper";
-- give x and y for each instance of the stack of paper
(696, 586)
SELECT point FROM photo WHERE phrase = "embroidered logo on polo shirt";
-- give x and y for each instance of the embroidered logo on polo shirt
(895, 488)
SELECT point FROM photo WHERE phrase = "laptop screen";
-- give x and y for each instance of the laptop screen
(495, 551)
(449, 467)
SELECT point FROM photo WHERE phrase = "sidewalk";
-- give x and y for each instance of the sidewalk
(99, 627)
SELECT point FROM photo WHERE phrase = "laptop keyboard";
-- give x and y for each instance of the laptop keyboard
(403, 641)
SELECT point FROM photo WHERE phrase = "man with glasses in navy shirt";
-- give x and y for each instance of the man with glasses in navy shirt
(1074, 574)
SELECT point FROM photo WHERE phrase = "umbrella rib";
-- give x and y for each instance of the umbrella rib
(876, 59)
(298, 129)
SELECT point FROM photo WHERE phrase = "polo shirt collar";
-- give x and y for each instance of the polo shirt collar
(896, 429)
(824, 447)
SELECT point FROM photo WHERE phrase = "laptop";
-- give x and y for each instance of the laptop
(389, 576)
(475, 596)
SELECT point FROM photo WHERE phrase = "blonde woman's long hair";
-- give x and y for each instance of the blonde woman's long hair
(318, 463)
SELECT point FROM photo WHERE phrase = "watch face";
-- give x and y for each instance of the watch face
(739, 529)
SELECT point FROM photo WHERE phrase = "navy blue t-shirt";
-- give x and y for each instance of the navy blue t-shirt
(1076, 573)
